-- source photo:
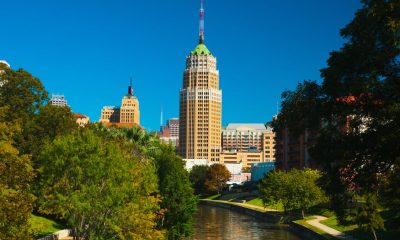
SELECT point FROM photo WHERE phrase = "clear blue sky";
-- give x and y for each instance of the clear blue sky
(87, 50)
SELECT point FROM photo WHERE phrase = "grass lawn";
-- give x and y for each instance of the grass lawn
(42, 226)
(317, 230)
(333, 223)
(258, 202)
(211, 197)
(358, 233)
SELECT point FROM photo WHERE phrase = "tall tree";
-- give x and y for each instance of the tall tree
(197, 177)
(16, 175)
(23, 94)
(49, 122)
(95, 184)
(279, 187)
(356, 112)
(216, 178)
(178, 198)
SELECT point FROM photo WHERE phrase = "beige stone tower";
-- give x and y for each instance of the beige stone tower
(200, 105)
(129, 111)
(125, 116)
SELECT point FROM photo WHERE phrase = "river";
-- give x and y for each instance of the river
(218, 223)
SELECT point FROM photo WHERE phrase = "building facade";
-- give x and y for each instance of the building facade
(169, 133)
(58, 100)
(258, 170)
(81, 119)
(200, 105)
(125, 116)
(292, 151)
(173, 126)
(245, 158)
(247, 143)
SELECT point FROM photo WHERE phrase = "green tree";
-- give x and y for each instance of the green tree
(178, 200)
(49, 122)
(364, 212)
(296, 189)
(356, 111)
(23, 94)
(177, 194)
(216, 178)
(95, 184)
(16, 175)
(197, 177)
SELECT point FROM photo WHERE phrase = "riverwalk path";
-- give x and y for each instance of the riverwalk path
(337, 234)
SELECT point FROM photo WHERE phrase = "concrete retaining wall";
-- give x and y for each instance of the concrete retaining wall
(298, 229)
(57, 235)
(304, 232)
(254, 213)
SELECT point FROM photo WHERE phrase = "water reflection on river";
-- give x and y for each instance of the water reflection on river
(217, 223)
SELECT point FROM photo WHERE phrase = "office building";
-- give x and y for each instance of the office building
(200, 104)
(170, 133)
(127, 115)
(58, 100)
(81, 119)
(247, 143)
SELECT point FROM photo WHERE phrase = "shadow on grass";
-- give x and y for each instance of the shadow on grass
(42, 226)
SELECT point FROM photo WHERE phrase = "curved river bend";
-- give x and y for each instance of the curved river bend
(218, 223)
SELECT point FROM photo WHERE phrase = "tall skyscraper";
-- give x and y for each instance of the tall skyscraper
(200, 104)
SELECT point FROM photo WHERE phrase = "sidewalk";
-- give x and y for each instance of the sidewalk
(316, 223)
(245, 205)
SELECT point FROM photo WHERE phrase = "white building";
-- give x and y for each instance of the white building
(58, 100)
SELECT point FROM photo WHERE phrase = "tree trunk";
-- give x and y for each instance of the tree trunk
(302, 213)
(373, 232)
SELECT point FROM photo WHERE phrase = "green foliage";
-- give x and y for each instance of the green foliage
(99, 187)
(23, 95)
(197, 177)
(368, 216)
(16, 174)
(49, 122)
(22, 92)
(178, 201)
(259, 202)
(175, 188)
(356, 113)
(42, 226)
(216, 178)
(296, 189)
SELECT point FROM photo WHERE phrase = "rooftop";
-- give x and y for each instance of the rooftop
(80, 115)
(201, 49)
(247, 126)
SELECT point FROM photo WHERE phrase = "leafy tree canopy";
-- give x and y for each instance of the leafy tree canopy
(216, 178)
(16, 175)
(356, 112)
(197, 177)
(295, 189)
(99, 187)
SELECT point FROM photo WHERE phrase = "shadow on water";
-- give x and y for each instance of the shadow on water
(217, 223)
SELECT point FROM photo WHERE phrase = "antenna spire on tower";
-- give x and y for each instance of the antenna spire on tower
(161, 118)
(130, 88)
(201, 24)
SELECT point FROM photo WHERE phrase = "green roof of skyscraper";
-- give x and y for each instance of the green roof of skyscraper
(201, 49)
